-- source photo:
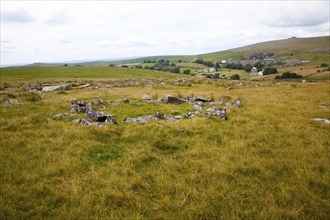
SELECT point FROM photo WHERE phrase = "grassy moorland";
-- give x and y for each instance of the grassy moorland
(267, 161)
(75, 72)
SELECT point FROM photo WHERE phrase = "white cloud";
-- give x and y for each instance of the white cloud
(75, 30)
(16, 16)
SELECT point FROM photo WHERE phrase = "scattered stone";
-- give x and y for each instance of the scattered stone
(235, 104)
(159, 115)
(124, 101)
(81, 121)
(326, 121)
(199, 103)
(160, 126)
(173, 100)
(74, 106)
(324, 106)
(190, 115)
(190, 98)
(201, 99)
(95, 87)
(228, 88)
(110, 120)
(9, 101)
(150, 118)
(83, 86)
(170, 119)
(181, 130)
(96, 116)
(135, 120)
(178, 117)
(98, 102)
(62, 116)
(162, 84)
(54, 88)
(198, 108)
(146, 97)
(89, 107)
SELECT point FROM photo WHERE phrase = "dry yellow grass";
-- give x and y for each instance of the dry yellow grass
(268, 161)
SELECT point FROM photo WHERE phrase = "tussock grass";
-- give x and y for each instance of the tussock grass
(268, 161)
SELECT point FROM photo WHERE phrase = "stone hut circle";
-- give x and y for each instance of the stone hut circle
(200, 107)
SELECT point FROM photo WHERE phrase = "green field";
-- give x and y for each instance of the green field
(269, 160)
(76, 72)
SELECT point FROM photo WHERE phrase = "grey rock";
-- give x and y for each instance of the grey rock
(130, 120)
(326, 121)
(84, 86)
(170, 119)
(96, 116)
(54, 88)
(162, 84)
(173, 100)
(81, 121)
(150, 118)
(81, 109)
(199, 103)
(190, 98)
(141, 121)
(178, 117)
(159, 115)
(234, 104)
(190, 115)
(201, 99)
(198, 107)
(62, 116)
(146, 97)
(110, 120)
(95, 87)
(89, 107)
(181, 130)
(74, 102)
(9, 101)
(74, 109)
(124, 100)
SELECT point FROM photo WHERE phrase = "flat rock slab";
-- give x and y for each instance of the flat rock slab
(174, 100)
(54, 88)
(327, 121)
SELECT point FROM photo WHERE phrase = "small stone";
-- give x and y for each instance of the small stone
(159, 115)
(198, 108)
(62, 116)
(124, 101)
(201, 99)
(173, 100)
(326, 121)
(181, 130)
(146, 97)
(110, 120)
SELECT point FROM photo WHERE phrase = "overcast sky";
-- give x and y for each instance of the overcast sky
(50, 31)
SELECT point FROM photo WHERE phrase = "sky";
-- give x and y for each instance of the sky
(54, 31)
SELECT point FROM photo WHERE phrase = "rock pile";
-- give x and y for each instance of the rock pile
(201, 107)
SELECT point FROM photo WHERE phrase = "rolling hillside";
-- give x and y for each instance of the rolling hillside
(315, 49)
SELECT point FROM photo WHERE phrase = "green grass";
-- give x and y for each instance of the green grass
(76, 72)
(192, 70)
(268, 161)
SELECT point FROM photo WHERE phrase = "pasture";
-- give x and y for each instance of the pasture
(269, 160)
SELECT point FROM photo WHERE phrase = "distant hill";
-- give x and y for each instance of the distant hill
(315, 50)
